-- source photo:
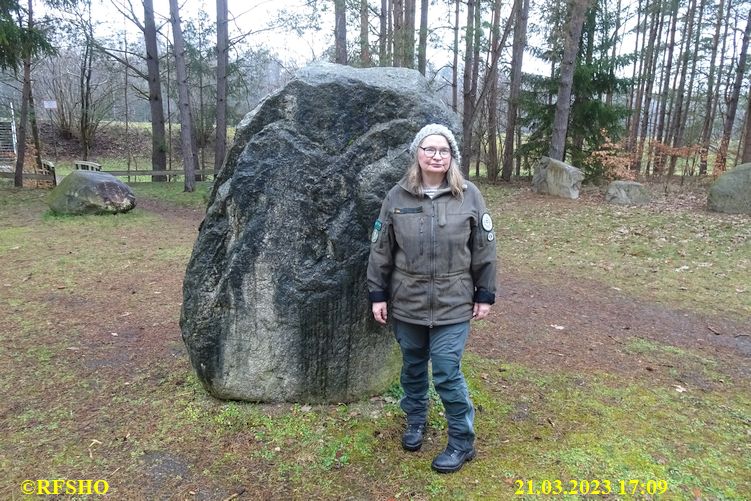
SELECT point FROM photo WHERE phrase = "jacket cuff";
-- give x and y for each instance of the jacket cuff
(378, 296)
(483, 296)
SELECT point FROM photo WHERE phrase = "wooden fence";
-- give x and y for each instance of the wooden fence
(47, 176)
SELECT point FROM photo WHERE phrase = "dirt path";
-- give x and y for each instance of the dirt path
(583, 325)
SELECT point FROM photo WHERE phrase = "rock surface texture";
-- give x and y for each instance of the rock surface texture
(731, 193)
(275, 299)
(553, 177)
(90, 192)
(627, 193)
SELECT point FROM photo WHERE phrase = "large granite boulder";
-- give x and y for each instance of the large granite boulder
(91, 192)
(553, 177)
(275, 300)
(731, 193)
(627, 193)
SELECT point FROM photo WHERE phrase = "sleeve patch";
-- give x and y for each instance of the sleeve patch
(487, 222)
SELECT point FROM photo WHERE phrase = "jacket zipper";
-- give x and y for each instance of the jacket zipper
(432, 260)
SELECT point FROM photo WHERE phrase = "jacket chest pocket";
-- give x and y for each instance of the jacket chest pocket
(411, 232)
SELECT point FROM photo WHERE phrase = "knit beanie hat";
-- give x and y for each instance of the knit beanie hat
(439, 129)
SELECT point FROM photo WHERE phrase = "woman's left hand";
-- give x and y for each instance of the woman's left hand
(480, 311)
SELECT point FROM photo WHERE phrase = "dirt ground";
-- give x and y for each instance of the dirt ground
(583, 325)
(571, 324)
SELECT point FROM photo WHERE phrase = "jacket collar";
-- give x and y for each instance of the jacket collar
(440, 192)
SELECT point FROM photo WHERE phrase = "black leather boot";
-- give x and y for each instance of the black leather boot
(412, 437)
(452, 460)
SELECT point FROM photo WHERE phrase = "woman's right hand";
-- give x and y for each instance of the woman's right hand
(380, 312)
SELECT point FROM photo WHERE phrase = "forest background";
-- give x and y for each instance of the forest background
(619, 89)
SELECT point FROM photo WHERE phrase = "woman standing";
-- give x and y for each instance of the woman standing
(432, 256)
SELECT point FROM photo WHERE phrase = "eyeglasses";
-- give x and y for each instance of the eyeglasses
(430, 151)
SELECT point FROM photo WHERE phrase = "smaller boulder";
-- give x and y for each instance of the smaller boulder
(90, 192)
(627, 193)
(731, 193)
(557, 178)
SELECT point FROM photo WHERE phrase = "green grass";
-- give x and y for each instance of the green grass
(694, 260)
(82, 400)
(174, 193)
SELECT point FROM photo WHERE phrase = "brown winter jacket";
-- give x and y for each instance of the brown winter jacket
(432, 258)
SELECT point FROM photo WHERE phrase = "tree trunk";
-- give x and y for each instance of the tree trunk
(365, 60)
(126, 87)
(681, 109)
(35, 132)
(577, 10)
(84, 124)
(645, 92)
(746, 157)
(611, 65)
(23, 119)
(706, 131)
(632, 91)
(409, 34)
(635, 96)
(222, 62)
(158, 142)
(455, 68)
(398, 16)
(423, 44)
(466, 147)
(390, 40)
(382, 34)
(340, 31)
(187, 138)
(492, 161)
(663, 102)
(586, 53)
(521, 14)
(732, 102)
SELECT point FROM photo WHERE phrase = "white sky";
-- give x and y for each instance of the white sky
(254, 15)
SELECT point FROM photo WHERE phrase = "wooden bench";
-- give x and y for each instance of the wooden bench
(48, 169)
(85, 165)
(170, 173)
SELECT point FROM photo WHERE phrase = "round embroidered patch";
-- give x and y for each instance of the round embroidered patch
(487, 222)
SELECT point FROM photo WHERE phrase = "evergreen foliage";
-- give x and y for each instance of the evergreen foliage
(593, 119)
(16, 39)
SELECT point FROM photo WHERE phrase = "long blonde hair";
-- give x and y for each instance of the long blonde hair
(454, 178)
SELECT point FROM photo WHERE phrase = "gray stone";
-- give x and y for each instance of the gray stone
(557, 178)
(89, 192)
(627, 193)
(275, 300)
(731, 193)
